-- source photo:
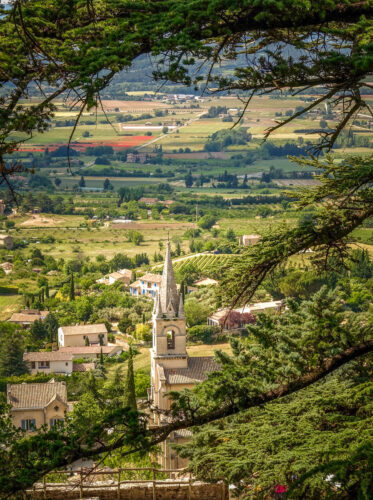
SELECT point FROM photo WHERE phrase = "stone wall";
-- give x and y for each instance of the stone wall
(166, 490)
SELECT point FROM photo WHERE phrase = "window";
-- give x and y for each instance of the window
(33, 365)
(67, 364)
(54, 421)
(28, 424)
(56, 408)
(43, 364)
(170, 339)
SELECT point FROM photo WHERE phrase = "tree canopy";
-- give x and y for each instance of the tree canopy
(74, 49)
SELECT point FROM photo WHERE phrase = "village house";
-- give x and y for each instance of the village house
(238, 317)
(93, 351)
(148, 201)
(34, 405)
(49, 362)
(171, 367)
(27, 317)
(137, 158)
(82, 335)
(147, 285)
(7, 267)
(6, 241)
(247, 240)
(123, 275)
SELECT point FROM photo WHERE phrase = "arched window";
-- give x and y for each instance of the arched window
(170, 339)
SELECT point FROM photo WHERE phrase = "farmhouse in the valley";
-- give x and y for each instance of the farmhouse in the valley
(147, 285)
(6, 241)
(28, 316)
(247, 240)
(34, 405)
(82, 335)
(49, 362)
(148, 201)
(123, 275)
(171, 367)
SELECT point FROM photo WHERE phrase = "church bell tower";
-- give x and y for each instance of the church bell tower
(169, 330)
(169, 323)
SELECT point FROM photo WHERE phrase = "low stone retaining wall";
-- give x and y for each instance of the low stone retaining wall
(161, 490)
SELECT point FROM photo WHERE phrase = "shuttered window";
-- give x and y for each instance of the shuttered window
(28, 424)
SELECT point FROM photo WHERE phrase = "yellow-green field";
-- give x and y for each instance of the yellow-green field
(110, 239)
(8, 305)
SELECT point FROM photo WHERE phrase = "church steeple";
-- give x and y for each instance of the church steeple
(169, 297)
(169, 322)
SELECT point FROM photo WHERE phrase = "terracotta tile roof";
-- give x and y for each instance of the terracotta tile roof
(125, 272)
(28, 316)
(197, 371)
(89, 349)
(119, 275)
(35, 395)
(6, 265)
(135, 284)
(47, 356)
(253, 308)
(157, 278)
(84, 329)
(148, 200)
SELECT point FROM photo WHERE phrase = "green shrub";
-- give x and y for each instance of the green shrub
(205, 333)
(36, 378)
(8, 290)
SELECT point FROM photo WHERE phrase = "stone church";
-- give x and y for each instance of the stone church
(171, 367)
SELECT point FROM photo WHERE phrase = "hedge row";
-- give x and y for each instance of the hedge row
(8, 290)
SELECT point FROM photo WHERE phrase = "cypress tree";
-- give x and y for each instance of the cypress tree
(101, 358)
(47, 291)
(11, 355)
(130, 391)
(72, 288)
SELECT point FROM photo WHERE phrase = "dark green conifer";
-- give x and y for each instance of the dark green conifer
(130, 390)
(72, 288)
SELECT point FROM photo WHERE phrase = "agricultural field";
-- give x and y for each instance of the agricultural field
(203, 263)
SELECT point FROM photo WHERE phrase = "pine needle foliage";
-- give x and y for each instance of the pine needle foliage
(130, 389)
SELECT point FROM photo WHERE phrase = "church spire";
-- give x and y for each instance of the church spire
(169, 298)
